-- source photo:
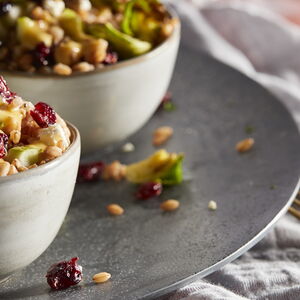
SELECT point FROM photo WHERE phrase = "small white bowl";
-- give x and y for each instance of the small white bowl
(109, 104)
(33, 205)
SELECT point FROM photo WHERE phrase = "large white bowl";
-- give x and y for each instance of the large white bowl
(33, 205)
(109, 104)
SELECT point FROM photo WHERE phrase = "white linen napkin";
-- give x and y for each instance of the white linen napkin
(266, 47)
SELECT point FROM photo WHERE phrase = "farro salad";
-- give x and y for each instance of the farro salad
(69, 36)
(30, 135)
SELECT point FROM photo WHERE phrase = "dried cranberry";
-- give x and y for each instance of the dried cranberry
(111, 58)
(148, 190)
(5, 93)
(3, 144)
(41, 55)
(64, 274)
(90, 172)
(5, 7)
(43, 114)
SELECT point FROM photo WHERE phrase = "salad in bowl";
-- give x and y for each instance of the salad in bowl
(62, 37)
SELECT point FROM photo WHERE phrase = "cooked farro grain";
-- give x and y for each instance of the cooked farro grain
(161, 135)
(170, 205)
(83, 67)
(244, 145)
(62, 69)
(115, 209)
(101, 277)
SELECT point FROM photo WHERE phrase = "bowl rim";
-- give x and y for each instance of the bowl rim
(47, 167)
(120, 65)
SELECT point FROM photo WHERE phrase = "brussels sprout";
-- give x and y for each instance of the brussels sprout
(72, 24)
(27, 155)
(30, 34)
(124, 44)
(161, 166)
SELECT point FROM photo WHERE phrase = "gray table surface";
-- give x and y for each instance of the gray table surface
(150, 253)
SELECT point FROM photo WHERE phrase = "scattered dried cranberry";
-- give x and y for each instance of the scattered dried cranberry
(5, 93)
(148, 190)
(41, 55)
(90, 172)
(111, 58)
(64, 274)
(43, 114)
(5, 7)
(3, 144)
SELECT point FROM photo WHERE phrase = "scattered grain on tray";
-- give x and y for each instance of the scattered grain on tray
(115, 209)
(161, 135)
(212, 205)
(244, 145)
(62, 69)
(101, 277)
(169, 205)
(128, 147)
(115, 171)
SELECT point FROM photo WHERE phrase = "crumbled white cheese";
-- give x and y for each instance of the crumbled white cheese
(55, 7)
(212, 205)
(85, 5)
(128, 147)
(52, 135)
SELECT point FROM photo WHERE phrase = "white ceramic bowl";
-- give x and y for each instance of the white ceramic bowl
(109, 104)
(33, 205)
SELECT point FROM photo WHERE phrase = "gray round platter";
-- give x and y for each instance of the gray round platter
(150, 253)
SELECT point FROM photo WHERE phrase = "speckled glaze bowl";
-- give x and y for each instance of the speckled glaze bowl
(33, 205)
(109, 104)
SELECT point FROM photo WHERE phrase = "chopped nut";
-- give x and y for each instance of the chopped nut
(161, 135)
(115, 209)
(244, 145)
(16, 163)
(83, 67)
(4, 168)
(212, 205)
(62, 69)
(52, 152)
(170, 205)
(12, 170)
(115, 171)
(101, 277)
(128, 147)
(32, 166)
(15, 136)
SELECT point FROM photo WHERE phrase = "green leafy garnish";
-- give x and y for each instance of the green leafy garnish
(169, 106)
(249, 129)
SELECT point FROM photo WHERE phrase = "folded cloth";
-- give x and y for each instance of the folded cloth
(265, 47)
